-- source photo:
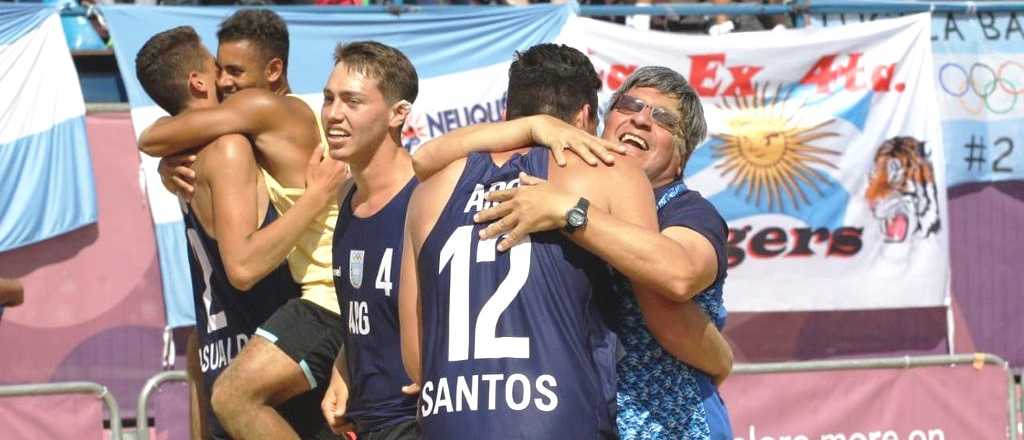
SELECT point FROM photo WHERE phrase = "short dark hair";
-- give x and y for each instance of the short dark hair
(263, 27)
(551, 79)
(396, 77)
(163, 65)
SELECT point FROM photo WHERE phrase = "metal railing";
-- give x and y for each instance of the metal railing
(107, 107)
(153, 384)
(976, 359)
(47, 389)
(956, 7)
(872, 363)
(901, 362)
(1020, 405)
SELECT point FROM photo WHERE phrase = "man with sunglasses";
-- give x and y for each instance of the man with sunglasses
(666, 388)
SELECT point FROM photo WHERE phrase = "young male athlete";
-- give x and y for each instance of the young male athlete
(297, 345)
(513, 343)
(236, 241)
(366, 101)
(667, 337)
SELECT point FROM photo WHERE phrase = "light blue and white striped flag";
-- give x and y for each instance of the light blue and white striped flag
(46, 181)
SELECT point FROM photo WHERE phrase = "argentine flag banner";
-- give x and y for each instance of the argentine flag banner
(46, 180)
(461, 57)
(825, 157)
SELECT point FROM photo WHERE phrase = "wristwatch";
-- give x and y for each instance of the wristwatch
(576, 217)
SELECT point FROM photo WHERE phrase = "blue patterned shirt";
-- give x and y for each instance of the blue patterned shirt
(660, 397)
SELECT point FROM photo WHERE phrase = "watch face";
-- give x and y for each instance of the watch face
(575, 218)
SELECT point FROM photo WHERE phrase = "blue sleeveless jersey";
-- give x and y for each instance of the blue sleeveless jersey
(367, 256)
(225, 316)
(513, 343)
(659, 396)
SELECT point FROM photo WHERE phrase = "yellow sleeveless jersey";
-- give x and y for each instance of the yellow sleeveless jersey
(310, 260)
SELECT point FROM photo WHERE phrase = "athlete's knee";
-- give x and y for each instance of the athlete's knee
(260, 376)
(226, 399)
(232, 393)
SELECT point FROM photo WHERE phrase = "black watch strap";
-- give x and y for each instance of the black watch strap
(583, 204)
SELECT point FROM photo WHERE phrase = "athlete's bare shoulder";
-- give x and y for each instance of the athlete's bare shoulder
(265, 105)
(254, 96)
(430, 196)
(601, 184)
(227, 150)
(300, 109)
(219, 165)
(443, 179)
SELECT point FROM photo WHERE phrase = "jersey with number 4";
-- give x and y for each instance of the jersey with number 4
(513, 344)
(367, 262)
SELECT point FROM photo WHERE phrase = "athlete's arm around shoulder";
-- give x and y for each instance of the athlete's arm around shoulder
(248, 252)
(435, 155)
(678, 263)
(493, 137)
(626, 236)
(425, 205)
(622, 225)
(249, 112)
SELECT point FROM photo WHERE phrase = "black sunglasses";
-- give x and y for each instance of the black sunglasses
(664, 117)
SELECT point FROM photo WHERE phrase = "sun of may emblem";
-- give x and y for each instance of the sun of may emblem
(768, 151)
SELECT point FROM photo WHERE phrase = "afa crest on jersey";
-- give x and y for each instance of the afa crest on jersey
(355, 267)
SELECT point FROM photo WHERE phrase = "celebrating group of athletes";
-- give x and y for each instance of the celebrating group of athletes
(489, 286)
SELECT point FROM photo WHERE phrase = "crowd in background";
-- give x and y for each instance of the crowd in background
(712, 25)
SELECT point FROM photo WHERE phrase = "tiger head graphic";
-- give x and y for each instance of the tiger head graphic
(901, 190)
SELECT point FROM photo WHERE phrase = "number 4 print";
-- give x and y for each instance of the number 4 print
(383, 279)
(486, 345)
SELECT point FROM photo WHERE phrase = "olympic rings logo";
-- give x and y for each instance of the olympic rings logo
(993, 87)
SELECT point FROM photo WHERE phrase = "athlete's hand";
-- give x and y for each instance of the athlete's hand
(324, 175)
(532, 207)
(560, 136)
(177, 175)
(12, 292)
(412, 389)
(334, 406)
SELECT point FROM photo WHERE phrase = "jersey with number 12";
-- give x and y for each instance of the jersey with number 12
(513, 344)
